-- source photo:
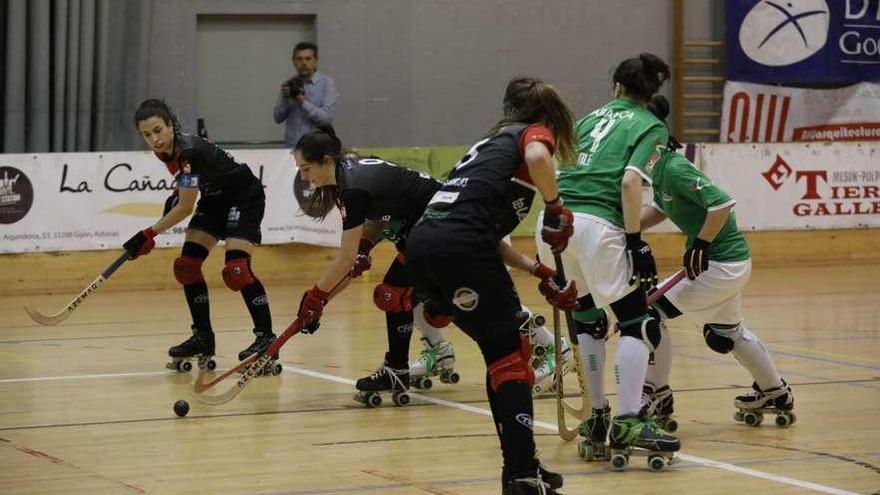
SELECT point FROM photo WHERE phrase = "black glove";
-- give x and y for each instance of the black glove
(644, 267)
(696, 259)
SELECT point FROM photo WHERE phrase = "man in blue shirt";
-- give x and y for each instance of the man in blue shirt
(306, 100)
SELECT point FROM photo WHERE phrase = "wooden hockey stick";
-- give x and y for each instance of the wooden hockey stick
(249, 368)
(563, 407)
(54, 319)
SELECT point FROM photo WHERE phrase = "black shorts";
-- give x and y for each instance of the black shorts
(238, 218)
(478, 293)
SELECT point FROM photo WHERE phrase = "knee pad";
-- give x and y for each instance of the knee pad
(513, 368)
(647, 330)
(188, 270)
(667, 308)
(597, 329)
(424, 314)
(393, 298)
(720, 337)
(586, 303)
(237, 274)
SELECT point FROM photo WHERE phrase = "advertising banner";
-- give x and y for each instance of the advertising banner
(799, 186)
(803, 41)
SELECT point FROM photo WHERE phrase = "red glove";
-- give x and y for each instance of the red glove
(363, 261)
(564, 298)
(311, 306)
(558, 226)
(141, 243)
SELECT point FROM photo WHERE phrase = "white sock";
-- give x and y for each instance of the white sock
(630, 366)
(751, 353)
(430, 332)
(658, 372)
(593, 359)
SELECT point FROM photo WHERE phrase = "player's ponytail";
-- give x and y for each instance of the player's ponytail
(154, 107)
(642, 76)
(659, 106)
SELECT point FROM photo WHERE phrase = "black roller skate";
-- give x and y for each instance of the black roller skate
(262, 341)
(657, 403)
(549, 478)
(199, 346)
(594, 445)
(384, 379)
(777, 400)
(634, 436)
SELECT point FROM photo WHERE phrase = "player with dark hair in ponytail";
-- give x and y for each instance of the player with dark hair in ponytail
(618, 146)
(231, 207)
(718, 265)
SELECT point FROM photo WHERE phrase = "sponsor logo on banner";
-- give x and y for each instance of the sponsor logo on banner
(782, 33)
(824, 192)
(749, 120)
(16, 195)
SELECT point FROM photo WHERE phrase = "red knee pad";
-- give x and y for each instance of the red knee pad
(237, 274)
(512, 368)
(188, 270)
(438, 320)
(393, 298)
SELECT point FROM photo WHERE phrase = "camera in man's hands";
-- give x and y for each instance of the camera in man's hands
(295, 87)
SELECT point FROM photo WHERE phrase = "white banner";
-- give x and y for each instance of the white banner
(83, 201)
(757, 113)
(787, 186)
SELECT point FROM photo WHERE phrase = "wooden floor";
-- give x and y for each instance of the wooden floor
(86, 407)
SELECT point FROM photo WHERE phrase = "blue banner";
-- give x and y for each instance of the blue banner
(803, 41)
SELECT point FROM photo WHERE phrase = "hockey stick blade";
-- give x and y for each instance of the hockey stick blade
(54, 319)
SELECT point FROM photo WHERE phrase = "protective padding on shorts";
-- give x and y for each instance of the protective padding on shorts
(597, 329)
(514, 367)
(720, 337)
(237, 274)
(393, 298)
(188, 270)
(647, 330)
(437, 320)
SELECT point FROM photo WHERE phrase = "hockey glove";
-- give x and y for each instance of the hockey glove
(311, 306)
(141, 243)
(558, 225)
(696, 259)
(642, 259)
(363, 261)
(564, 298)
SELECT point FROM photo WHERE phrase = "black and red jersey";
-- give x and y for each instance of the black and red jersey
(488, 192)
(205, 165)
(375, 189)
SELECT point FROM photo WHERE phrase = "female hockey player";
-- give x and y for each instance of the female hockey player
(231, 207)
(454, 259)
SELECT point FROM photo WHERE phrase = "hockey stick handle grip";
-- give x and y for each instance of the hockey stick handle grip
(116, 264)
(663, 289)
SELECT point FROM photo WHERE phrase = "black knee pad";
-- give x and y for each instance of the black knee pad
(586, 303)
(718, 337)
(647, 330)
(596, 329)
(668, 309)
(630, 307)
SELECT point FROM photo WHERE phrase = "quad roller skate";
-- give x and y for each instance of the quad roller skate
(436, 360)
(551, 481)
(262, 341)
(777, 400)
(200, 346)
(657, 403)
(594, 445)
(546, 369)
(530, 323)
(633, 436)
(384, 379)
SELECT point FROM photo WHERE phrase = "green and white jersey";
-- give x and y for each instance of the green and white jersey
(686, 195)
(619, 136)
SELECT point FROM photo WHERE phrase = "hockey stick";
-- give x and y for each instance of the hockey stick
(563, 407)
(673, 280)
(250, 367)
(54, 319)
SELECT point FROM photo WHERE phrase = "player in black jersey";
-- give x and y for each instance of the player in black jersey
(454, 259)
(231, 207)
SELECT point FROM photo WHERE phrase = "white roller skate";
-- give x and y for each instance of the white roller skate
(436, 360)
(777, 400)
(546, 370)
(657, 403)
(200, 346)
(384, 379)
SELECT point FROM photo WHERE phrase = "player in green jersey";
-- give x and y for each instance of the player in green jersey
(618, 145)
(718, 266)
